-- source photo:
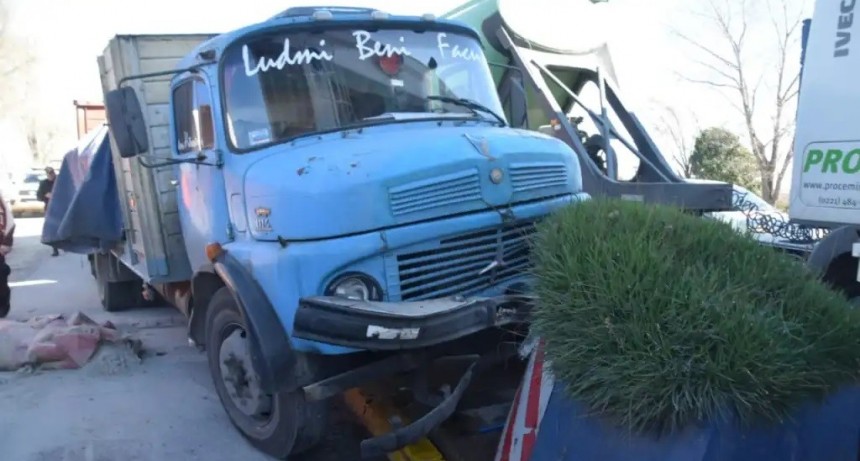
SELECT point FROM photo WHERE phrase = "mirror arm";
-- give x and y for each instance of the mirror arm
(192, 69)
(199, 160)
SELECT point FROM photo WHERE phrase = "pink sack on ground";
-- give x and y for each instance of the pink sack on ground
(52, 341)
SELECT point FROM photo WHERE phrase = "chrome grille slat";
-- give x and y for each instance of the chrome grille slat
(451, 189)
(465, 187)
(436, 192)
(440, 263)
(541, 185)
(452, 268)
(449, 200)
(440, 276)
(531, 176)
(442, 291)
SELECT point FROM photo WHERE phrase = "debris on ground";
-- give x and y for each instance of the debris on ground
(57, 342)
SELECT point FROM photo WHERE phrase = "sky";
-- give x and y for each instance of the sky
(646, 54)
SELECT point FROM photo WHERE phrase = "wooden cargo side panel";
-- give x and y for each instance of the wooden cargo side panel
(134, 250)
(151, 198)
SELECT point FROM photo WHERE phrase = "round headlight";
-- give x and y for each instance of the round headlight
(357, 287)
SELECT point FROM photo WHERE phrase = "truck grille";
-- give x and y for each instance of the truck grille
(436, 192)
(537, 175)
(453, 267)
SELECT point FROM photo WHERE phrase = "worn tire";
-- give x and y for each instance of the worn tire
(118, 296)
(292, 425)
(116, 293)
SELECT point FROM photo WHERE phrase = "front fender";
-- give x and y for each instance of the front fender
(271, 352)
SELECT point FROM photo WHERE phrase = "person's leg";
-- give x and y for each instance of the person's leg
(55, 251)
(5, 291)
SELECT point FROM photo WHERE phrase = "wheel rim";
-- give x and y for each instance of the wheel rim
(240, 381)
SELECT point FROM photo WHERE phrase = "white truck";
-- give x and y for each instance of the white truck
(825, 189)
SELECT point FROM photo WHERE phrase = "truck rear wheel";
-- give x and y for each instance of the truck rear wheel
(117, 296)
(279, 425)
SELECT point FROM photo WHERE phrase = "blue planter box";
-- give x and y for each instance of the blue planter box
(825, 432)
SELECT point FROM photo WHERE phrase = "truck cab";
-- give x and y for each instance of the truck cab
(824, 191)
(333, 196)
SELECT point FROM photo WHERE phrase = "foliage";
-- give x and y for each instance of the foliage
(658, 319)
(719, 155)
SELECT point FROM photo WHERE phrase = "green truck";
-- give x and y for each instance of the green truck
(555, 55)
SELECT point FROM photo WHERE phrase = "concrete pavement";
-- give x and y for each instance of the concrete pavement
(117, 408)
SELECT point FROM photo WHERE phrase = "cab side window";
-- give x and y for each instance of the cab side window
(192, 112)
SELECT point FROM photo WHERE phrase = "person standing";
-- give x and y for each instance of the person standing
(7, 232)
(46, 188)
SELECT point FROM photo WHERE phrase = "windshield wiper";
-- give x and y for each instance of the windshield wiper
(472, 105)
(418, 116)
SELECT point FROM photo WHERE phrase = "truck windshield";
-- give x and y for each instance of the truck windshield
(280, 86)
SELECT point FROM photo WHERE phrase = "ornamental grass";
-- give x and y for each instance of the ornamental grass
(658, 319)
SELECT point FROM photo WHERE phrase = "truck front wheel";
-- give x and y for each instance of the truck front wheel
(278, 425)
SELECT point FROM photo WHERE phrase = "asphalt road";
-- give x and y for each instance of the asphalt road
(117, 408)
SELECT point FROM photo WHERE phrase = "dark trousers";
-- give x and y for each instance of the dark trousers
(53, 247)
(5, 291)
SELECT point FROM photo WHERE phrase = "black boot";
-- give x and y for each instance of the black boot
(5, 292)
(56, 252)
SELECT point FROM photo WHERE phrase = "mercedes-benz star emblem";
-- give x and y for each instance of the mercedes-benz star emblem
(496, 175)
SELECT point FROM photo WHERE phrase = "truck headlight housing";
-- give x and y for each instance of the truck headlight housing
(355, 286)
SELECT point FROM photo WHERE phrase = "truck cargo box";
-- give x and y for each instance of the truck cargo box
(154, 247)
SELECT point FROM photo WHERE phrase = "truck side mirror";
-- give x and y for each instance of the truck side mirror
(126, 122)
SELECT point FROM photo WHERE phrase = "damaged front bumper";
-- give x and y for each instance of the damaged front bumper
(389, 326)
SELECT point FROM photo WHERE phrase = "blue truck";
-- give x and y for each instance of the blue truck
(333, 197)
(341, 199)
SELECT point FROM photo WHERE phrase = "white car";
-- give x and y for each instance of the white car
(8, 189)
(25, 197)
(766, 223)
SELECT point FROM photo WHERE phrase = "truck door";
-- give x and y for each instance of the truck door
(200, 186)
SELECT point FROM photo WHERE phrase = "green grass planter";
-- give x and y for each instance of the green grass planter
(657, 320)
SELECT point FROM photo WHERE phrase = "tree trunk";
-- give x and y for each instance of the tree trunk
(33, 141)
(767, 191)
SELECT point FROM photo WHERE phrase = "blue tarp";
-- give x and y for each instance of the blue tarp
(85, 216)
(829, 431)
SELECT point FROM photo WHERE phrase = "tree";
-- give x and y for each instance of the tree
(737, 70)
(671, 125)
(20, 98)
(719, 155)
(42, 138)
(15, 66)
